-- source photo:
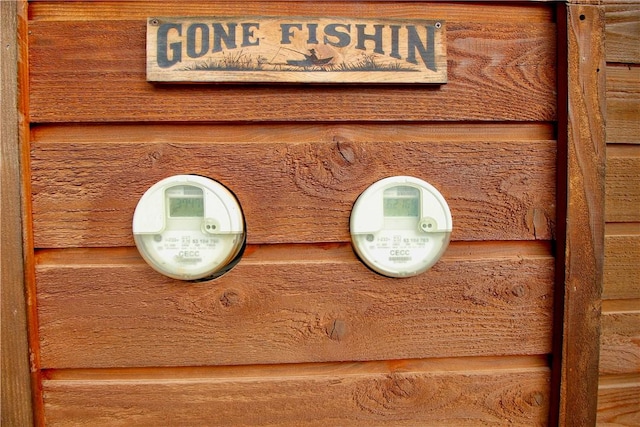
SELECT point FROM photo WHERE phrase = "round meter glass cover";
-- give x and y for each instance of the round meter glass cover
(400, 226)
(189, 227)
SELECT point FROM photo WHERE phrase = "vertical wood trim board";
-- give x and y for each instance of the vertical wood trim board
(584, 239)
(16, 389)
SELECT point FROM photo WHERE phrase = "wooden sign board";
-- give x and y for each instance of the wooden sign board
(295, 50)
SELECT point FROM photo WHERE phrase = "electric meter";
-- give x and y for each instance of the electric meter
(400, 226)
(189, 227)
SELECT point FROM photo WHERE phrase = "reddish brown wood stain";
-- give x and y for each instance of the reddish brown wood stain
(300, 332)
(301, 296)
(619, 382)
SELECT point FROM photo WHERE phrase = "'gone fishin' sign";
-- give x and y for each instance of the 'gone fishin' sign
(295, 49)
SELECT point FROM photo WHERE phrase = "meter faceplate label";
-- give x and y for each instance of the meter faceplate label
(184, 248)
(398, 247)
(408, 252)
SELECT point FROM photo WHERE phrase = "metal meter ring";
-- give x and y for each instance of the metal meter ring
(400, 226)
(189, 227)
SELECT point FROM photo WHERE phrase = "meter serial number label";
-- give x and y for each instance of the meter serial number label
(398, 248)
(187, 249)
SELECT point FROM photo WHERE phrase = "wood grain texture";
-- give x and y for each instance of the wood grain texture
(291, 304)
(622, 261)
(312, 302)
(84, 193)
(617, 2)
(619, 390)
(53, 10)
(623, 32)
(504, 74)
(16, 387)
(620, 339)
(623, 104)
(619, 401)
(623, 183)
(398, 393)
(276, 52)
(584, 245)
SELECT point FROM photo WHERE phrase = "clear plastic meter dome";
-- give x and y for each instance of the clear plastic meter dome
(189, 227)
(400, 226)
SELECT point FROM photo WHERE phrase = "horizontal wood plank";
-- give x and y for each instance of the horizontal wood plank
(620, 338)
(423, 132)
(504, 74)
(623, 104)
(622, 183)
(619, 400)
(84, 193)
(53, 10)
(607, 2)
(622, 261)
(623, 33)
(397, 393)
(298, 304)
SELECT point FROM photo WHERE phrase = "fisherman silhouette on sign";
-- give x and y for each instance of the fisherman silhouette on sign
(310, 60)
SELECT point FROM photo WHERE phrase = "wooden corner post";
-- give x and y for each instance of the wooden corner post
(16, 387)
(581, 165)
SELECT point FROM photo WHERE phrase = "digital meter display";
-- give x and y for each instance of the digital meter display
(401, 201)
(180, 207)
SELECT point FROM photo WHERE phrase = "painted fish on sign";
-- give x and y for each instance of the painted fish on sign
(295, 49)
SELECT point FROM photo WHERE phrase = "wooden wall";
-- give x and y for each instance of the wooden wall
(15, 393)
(299, 332)
(619, 390)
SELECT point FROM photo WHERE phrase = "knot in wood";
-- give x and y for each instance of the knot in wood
(346, 151)
(336, 330)
(328, 170)
(151, 159)
(229, 298)
(537, 399)
(394, 392)
(518, 290)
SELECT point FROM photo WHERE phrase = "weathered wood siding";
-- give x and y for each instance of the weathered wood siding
(15, 379)
(619, 390)
(299, 332)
